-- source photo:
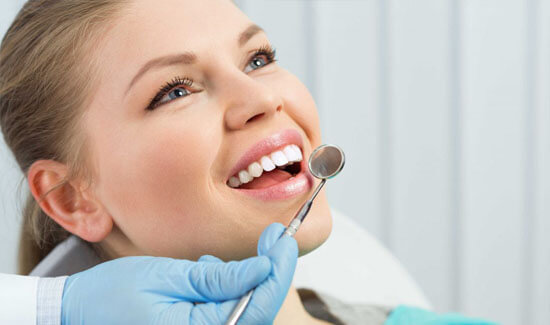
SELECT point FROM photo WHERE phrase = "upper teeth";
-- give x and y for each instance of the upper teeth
(289, 154)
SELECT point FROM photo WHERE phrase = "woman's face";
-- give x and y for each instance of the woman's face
(163, 160)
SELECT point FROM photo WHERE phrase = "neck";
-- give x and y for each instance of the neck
(293, 312)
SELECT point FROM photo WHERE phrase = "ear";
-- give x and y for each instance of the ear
(67, 203)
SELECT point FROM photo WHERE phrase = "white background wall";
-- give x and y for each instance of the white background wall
(443, 110)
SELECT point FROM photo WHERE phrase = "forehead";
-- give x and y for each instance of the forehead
(148, 29)
(169, 23)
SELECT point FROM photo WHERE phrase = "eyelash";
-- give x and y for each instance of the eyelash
(266, 50)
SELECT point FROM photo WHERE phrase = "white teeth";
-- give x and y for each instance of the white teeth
(298, 152)
(290, 154)
(234, 182)
(255, 169)
(244, 177)
(287, 156)
(279, 158)
(267, 164)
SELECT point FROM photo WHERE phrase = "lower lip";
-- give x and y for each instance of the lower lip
(294, 186)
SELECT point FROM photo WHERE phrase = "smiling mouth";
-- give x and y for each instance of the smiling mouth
(269, 170)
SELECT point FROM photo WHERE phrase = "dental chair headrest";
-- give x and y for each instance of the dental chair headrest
(70, 256)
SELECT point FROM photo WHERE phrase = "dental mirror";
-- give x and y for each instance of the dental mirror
(326, 161)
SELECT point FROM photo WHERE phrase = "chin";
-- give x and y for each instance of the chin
(315, 229)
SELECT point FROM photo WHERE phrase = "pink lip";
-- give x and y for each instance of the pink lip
(298, 184)
(265, 147)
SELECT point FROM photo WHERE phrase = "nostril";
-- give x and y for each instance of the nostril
(255, 117)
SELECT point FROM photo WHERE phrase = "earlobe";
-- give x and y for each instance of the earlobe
(74, 210)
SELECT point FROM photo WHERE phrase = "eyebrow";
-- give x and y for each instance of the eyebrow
(188, 57)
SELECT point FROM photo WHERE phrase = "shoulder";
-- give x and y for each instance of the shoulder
(330, 309)
(335, 311)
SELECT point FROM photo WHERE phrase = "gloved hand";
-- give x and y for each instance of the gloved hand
(269, 296)
(156, 290)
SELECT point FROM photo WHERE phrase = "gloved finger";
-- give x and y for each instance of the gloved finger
(270, 294)
(215, 282)
(213, 313)
(210, 258)
(187, 313)
(176, 314)
(269, 236)
(218, 313)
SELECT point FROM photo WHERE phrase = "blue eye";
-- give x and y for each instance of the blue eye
(172, 90)
(257, 63)
(261, 58)
(174, 94)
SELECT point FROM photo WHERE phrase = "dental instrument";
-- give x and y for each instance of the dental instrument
(325, 162)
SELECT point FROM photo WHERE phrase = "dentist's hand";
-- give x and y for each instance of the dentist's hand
(155, 290)
(270, 294)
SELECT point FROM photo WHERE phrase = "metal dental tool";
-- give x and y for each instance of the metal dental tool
(325, 162)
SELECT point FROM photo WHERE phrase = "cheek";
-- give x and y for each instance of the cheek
(156, 186)
(301, 108)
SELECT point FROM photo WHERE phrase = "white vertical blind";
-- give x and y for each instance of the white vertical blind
(538, 277)
(443, 109)
(494, 116)
(420, 143)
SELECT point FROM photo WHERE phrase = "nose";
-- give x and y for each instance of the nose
(248, 100)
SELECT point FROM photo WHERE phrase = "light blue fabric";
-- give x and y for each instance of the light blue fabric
(155, 290)
(405, 315)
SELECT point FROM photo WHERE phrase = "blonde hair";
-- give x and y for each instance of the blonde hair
(46, 80)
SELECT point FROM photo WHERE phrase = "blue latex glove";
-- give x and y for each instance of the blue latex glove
(405, 315)
(156, 290)
(269, 296)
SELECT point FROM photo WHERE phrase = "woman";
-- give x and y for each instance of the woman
(157, 128)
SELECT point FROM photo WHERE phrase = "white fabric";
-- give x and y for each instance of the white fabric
(355, 267)
(50, 297)
(18, 299)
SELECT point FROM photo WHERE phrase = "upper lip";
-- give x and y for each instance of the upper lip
(266, 146)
